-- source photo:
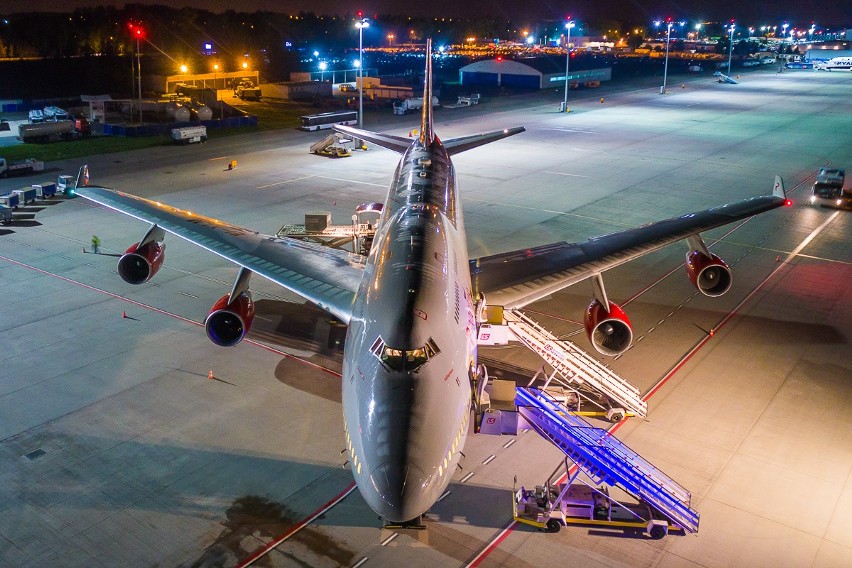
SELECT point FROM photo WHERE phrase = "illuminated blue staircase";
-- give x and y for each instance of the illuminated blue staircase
(604, 458)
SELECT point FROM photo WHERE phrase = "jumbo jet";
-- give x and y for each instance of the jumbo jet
(413, 304)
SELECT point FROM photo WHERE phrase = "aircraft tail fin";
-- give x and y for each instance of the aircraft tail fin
(389, 141)
(427, 135)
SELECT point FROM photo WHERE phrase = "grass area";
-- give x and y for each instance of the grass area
(270, 116)
(79, 148)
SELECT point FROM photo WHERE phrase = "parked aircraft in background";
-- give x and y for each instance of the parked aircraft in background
(835, 64)
(413, 305)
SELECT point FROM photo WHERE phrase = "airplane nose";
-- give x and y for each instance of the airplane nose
(399, 491)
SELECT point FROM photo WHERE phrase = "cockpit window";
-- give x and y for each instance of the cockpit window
(404, 359)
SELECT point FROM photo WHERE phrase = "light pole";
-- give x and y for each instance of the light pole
(669, 25)
(361, 24)
(139, 71)
(731, 49)
(323, 66)
(750, 31)
(784, 30)
(568, 25)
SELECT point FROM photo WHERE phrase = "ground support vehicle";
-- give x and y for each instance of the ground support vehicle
(26, 195)
(189, 134)
(412, 104)
(47, 131)
(356, 237)
(575, 502)
(334, 146)
(66, 184)
(10, 200)
(5, 215)
(20, 168)
(828, 188)
(247, 91)
(45, 190)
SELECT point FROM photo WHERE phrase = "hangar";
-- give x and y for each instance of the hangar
(531, 73)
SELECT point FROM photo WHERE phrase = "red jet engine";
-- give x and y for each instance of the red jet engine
(229, 322)
(609, 331)
(139, 264)
(709, 274)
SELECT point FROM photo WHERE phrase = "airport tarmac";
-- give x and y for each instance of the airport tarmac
(117, 449)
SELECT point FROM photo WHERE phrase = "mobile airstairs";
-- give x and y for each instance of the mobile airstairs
(572, 367)
(504, 407)
(604, 458)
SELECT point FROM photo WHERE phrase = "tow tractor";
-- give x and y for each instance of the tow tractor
(551, 506)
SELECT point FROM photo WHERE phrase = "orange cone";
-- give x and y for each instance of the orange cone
(124, 314)
(210, 375)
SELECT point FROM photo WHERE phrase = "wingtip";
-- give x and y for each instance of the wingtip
(778, 188)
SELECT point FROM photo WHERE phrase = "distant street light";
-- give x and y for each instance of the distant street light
(568, 25)
(669, 25)
(361, 24)
(750, 31)
(731, 49)
(323, 66)
(784, 29)
(183, 69)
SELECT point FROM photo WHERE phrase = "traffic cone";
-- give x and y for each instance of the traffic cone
(124, 314)
(712, 331)
(210, 375)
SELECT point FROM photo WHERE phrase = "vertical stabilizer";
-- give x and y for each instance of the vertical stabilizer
(426, 134)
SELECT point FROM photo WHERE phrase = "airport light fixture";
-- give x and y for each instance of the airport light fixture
(731, 47)
(138, 32)
(323, 66)
(184, 69)
(568, 25)
(811, 31)
(669, 24)
(750, 31)
(361, 24)
(784, 29)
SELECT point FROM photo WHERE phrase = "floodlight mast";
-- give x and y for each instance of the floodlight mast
(568, 25)
(361, 24)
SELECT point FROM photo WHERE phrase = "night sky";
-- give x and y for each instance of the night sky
(749, 12)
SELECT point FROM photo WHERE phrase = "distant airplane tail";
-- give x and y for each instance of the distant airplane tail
(427, 133)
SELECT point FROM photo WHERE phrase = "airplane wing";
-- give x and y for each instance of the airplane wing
(327, 277)
(516, 279)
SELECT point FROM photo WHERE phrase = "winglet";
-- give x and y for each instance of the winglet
(778, 188)
(427, 136)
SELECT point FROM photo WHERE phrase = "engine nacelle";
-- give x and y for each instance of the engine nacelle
(139, 264)
(709, 274)
(609, 331)
(228, 323)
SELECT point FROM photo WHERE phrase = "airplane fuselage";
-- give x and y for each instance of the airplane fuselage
(411, 343)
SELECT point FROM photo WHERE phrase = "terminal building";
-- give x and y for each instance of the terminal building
(532, 73)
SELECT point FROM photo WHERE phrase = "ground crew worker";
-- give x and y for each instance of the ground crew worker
(96, 243)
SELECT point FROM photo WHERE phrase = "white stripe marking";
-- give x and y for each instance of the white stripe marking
(489, 459)
(389, 539)
(466, 477)
(509, 443)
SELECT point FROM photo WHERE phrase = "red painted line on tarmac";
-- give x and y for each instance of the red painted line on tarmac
(296, 528)
(164, 312)
(492, 545)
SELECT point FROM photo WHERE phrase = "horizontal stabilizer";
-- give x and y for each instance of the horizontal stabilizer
(389, 141)
(458, 145)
